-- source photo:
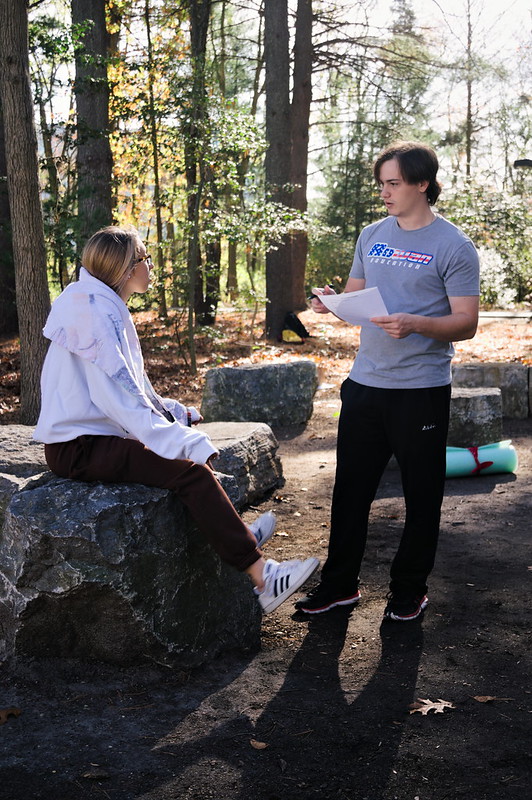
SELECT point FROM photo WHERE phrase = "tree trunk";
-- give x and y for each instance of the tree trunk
(154, 139)
(173, 256)
(29, 251)
(8, 300)
(207, 304)
(60, 264)
(231, 286)
(279, 286)
(300, 114)
(206, 309)
(93, 157)
(469, 85)
(199, 15)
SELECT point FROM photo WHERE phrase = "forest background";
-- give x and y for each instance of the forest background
(238, 138)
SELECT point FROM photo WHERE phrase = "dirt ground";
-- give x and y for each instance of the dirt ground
(323, 710)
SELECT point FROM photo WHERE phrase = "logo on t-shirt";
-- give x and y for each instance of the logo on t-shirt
(383, 251)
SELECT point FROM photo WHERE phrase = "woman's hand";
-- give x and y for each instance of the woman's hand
(193, 417)
(209, 461)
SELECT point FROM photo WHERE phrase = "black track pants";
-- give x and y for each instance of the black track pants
(375, 423)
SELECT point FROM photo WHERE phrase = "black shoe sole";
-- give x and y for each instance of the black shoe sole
(410, 617)
(348, 601)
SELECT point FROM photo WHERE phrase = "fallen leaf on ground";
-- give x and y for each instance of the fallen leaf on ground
(258, 745)
(96, 774)
(425, 705)
(5, 713)
(486, 698)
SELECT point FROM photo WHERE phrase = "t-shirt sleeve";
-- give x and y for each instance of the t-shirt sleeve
(357, 267)
(462, 274)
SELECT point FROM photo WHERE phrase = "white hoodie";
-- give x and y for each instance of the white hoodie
(93, 379)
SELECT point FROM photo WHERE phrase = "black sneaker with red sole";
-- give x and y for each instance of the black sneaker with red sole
(404, 608)
(322, 598)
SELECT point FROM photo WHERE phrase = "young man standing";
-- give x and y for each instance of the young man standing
(396, 399)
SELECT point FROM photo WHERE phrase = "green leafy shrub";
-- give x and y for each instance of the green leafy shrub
(498, 221)
(496, 290)
(329, 258)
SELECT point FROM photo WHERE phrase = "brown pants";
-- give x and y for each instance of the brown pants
(111, 459)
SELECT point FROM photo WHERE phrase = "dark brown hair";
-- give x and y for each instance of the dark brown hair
(417, 163)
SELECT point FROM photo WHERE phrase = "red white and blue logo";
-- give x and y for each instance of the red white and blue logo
(384, 252)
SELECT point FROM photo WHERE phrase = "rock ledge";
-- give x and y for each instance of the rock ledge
(119, 572)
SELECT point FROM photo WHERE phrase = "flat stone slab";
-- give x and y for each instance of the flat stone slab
(511, 379)
(515, 317)
(248, 463)
(19, 454)
(119, 572)
(476, 417)
(277, 394)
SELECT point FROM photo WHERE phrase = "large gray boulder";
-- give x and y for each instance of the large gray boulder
(278, 394)
(116, 573)
(119, 572)
(248, 453)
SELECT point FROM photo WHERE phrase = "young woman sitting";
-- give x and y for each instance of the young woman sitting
(101, 419)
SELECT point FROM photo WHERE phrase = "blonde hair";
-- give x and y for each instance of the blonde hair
(110, 254)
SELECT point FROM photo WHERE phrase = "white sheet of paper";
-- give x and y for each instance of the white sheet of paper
(356, 307)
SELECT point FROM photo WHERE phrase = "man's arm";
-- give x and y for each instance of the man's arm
(355, 285)
(460, 324)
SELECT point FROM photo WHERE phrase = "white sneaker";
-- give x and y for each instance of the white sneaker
(263, 527)
(283, 579)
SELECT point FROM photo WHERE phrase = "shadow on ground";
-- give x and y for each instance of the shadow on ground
(323, 711)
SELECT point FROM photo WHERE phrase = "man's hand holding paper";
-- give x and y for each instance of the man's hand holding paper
(357, 308)
(317, 306)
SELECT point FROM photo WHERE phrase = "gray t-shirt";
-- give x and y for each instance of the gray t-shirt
(416, 272)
